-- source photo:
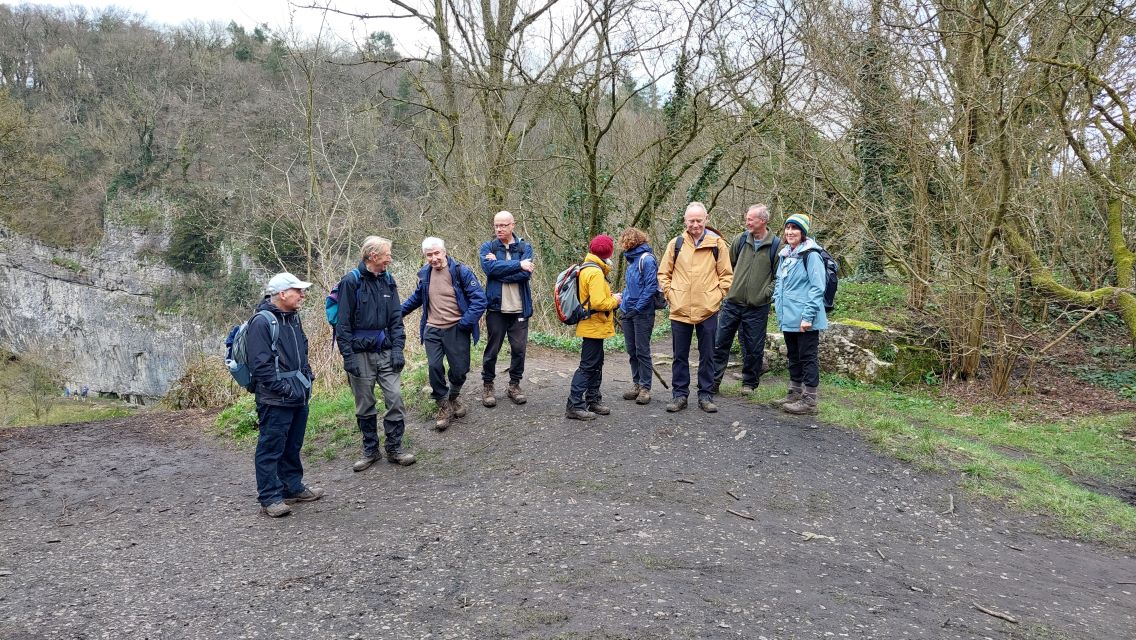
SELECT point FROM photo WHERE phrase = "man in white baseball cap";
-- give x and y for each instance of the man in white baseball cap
(278, 358)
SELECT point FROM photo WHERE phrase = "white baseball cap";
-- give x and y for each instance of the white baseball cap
(283, 282)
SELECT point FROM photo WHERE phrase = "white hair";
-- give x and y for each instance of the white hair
(431, 242)
(696, 206)
(761, 210)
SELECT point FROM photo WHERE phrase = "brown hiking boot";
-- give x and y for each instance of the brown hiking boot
(599, 409)
(276, 510)
(791, 396)
(515, 394)
(488, 399)
(579, 414)
(806, 406)
(644, 396)
(632, 393)
(459, 409)
(445, 414)
(364, 463)
(309, 494)
(400, 457)
(707, 405)
(677, 404)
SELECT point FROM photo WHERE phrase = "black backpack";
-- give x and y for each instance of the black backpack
(831, 279)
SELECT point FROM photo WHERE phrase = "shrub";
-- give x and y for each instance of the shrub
(205, 384)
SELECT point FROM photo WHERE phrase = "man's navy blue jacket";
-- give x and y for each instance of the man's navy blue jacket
(500, 271)
(291, 347)
(470, 296)
(367, 305)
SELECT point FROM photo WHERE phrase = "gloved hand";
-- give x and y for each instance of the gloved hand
(351, 365)
(398, 360)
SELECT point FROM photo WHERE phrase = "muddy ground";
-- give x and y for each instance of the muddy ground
(519, 524)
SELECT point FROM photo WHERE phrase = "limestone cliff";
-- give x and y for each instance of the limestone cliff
(91, 314)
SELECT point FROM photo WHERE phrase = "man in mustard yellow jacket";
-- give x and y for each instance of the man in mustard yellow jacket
(695, 275)
(585, 399)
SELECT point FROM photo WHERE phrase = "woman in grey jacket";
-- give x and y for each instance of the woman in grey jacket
(799, 299)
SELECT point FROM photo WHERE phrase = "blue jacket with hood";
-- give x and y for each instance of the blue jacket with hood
(641, 281)
(799, 293)
(500, 271)
(292, 349)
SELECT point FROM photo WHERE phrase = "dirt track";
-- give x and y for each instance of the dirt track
(519, 524)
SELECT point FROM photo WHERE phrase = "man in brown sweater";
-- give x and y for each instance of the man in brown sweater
(452, 302)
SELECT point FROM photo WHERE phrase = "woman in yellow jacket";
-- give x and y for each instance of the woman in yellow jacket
(585, 399)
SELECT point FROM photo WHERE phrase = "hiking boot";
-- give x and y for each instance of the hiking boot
(747, 389)
(677, 404)
(364, 463)
(309, 494)
(716, 387)
(644, 396)
(791, 396)
(599, 409)
(707, 405)
(458, 408)
(806, 406)
(488, 399)
(632, 393)
(515, 394)
(445, 413)
(579, 414)
(276, 510)
(400, 457)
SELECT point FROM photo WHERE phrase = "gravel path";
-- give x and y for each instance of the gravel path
(519, 524)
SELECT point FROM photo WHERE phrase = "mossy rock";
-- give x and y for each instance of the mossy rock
(863, 324)
(914, 363)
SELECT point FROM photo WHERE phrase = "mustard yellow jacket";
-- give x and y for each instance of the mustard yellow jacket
(696, 283)
(594, 288)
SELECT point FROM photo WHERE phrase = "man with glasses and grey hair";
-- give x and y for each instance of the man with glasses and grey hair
(507, 261)
(452, 302)
(371, 337)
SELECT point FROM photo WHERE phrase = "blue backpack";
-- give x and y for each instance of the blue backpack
(331, 302)
(236, 350)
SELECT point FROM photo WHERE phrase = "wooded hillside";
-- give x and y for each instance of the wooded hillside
(980, 152)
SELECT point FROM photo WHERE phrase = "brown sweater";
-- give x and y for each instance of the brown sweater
(444, 311)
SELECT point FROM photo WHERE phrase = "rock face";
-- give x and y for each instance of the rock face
(91, 316)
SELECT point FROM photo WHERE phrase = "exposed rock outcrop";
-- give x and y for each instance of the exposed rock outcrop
(90, 314)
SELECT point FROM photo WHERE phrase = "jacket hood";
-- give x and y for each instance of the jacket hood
(631, 254)
(801, 248)
(591, 257)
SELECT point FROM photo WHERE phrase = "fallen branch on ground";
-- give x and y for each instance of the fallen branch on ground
(997, 614)
(740, 515)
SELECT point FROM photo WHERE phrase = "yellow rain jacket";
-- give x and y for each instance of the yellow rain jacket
(595, 289)
(696, 283)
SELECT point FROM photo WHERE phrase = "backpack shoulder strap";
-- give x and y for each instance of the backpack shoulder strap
(273, 327)
(774, 246)
(678, 246)
(738, 242)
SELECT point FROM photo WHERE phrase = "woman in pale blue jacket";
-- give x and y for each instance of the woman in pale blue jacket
(799, 299)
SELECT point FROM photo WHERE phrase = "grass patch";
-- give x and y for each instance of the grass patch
(1034, 467)
(567, 341)
(885, 304)
(331, 416)
(32, 394)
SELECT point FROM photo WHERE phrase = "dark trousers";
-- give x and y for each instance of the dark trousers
(279, 472)
(453, 345)
(804, 364)
(749, 324)
(497, 326)
(586, 380)
(637, 335)
(681, 335)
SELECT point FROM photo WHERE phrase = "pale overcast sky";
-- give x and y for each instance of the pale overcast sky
(248, 13)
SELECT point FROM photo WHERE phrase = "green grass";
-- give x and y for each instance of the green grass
(1033, 467)
(331, 416)
(884, 304)
(24, 386)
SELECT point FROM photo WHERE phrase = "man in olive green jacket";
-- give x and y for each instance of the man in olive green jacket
(746, 307)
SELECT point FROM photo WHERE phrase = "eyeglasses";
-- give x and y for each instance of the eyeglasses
(503, 226)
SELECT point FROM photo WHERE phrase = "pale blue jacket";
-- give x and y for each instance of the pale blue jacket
(799, 294)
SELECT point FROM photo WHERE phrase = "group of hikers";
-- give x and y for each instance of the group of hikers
(714, 289)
